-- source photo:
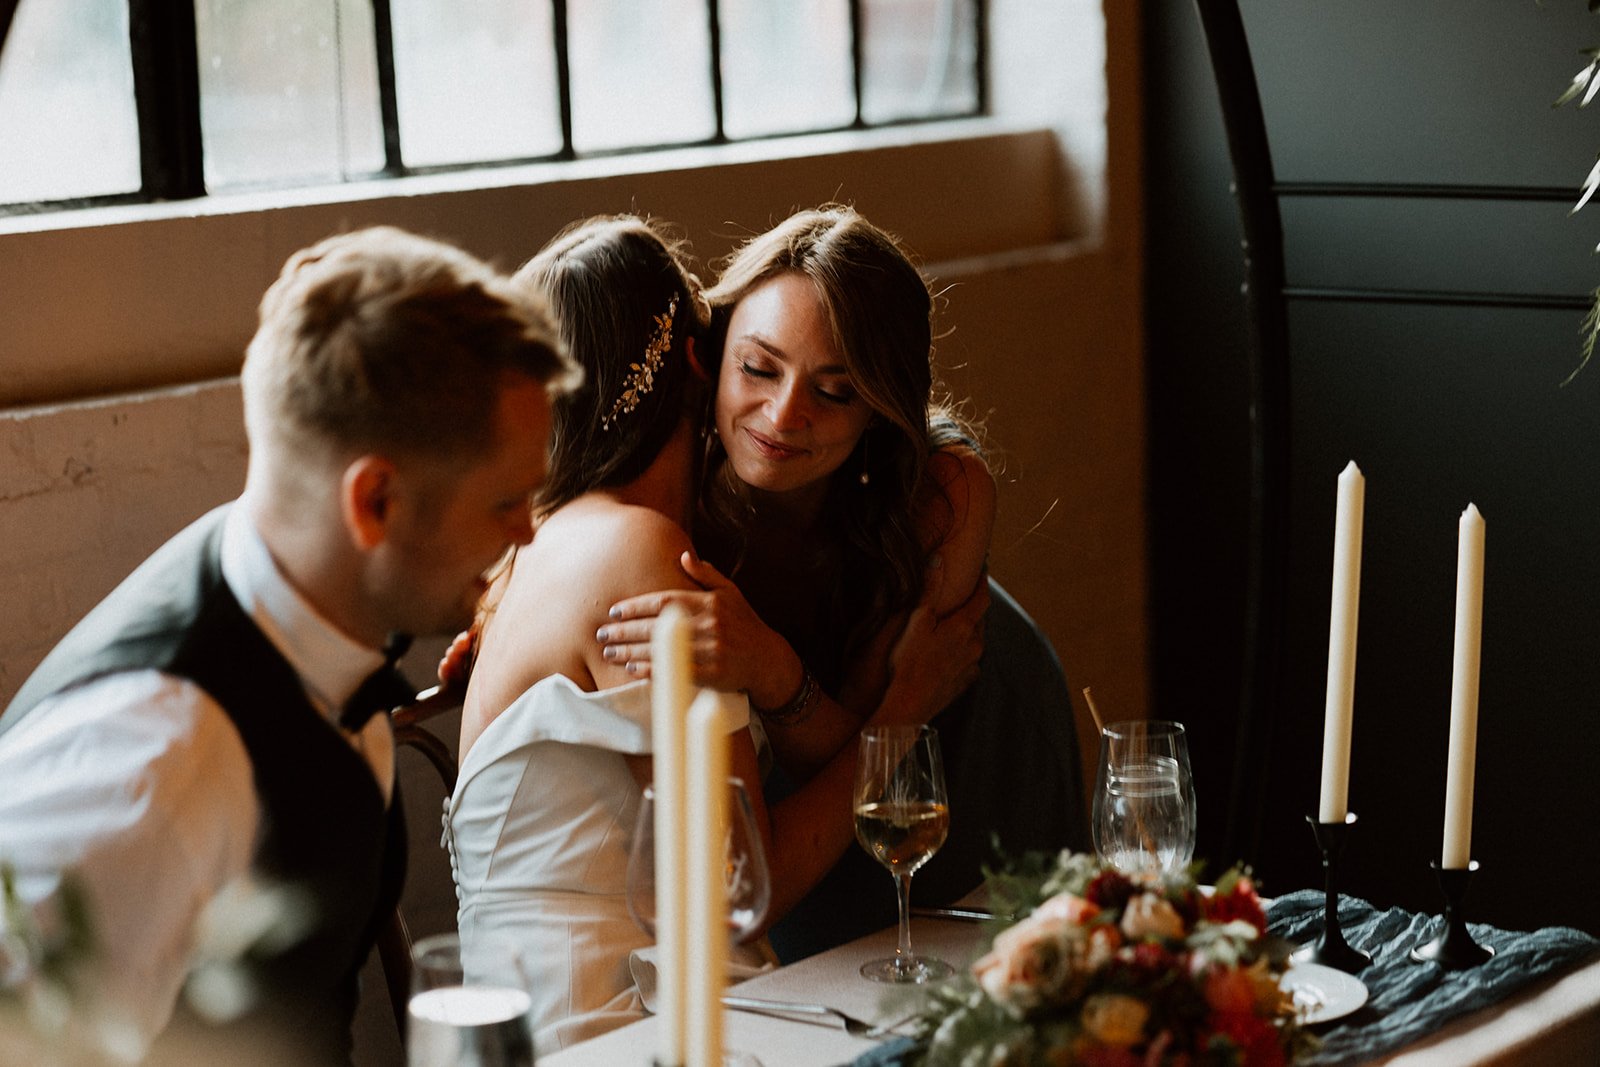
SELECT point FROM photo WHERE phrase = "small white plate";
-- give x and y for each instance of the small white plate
(1322, 993)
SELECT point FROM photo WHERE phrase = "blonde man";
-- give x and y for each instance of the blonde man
(214, 715)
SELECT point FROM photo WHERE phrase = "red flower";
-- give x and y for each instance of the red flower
(1240, 902)
(1255, 1037)
(1090, 1054)
(1229, 991)
(1109, 889)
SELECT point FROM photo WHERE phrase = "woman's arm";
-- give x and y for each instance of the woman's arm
(735, 649)
(809, 830)
(955, 517)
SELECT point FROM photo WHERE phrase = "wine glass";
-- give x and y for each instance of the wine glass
(1144, 806)
(469, 1009)
(902, 817)
(746, 876)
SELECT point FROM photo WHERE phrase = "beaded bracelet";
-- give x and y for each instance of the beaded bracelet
(798, 708)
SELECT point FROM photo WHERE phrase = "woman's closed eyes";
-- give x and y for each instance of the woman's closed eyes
(841, 397)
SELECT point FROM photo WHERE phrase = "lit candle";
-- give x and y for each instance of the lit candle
(1340, 709)
(672, 687)
(1464, 693)
(706, 761)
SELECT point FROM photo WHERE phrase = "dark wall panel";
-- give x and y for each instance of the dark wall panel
(1440, 405)
(1420, 91)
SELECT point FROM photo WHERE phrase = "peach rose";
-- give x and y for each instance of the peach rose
(1065, 907)
(1033, 961)
(1149, 915)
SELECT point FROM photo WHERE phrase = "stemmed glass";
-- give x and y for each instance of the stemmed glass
(471, 1010)
(1144, 806)
(746, 877)
(902, 816)
(745, 873)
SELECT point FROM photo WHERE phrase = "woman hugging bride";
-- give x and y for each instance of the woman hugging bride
(555, 738)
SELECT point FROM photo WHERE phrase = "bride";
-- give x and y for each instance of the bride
(555, 740)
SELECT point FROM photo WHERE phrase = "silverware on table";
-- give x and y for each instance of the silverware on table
(818, 1013)
(969, 915)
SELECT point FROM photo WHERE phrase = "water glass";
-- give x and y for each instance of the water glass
(468, 1012)
(1144, 805)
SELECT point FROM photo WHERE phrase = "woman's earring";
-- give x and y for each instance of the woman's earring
(866, 475)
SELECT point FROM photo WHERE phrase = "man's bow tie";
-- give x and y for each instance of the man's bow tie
(385, 688)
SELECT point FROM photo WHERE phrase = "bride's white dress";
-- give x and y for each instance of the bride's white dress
(539, 829)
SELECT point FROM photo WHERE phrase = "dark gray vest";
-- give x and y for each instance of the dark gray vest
(325, 827)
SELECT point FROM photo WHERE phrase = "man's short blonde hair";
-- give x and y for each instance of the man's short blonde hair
(384, 341)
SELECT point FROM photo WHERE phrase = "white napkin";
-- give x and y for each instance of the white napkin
(745, 962)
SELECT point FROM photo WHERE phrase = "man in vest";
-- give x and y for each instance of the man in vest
(213, 716)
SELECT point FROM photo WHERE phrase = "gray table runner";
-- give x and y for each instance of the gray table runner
(1407, 1001)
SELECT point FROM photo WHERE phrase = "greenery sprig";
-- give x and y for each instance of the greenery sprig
(1585, 85)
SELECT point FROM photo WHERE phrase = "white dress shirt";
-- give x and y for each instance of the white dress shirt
(138, 784)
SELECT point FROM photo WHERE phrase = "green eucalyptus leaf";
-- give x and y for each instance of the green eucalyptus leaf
(1591, 332)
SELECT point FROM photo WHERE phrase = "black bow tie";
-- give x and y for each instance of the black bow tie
(385, 688)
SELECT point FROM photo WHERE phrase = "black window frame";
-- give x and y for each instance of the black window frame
(166, 81)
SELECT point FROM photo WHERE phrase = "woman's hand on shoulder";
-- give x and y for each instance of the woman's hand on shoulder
(956, 513)
(733, 649)
(637, 549)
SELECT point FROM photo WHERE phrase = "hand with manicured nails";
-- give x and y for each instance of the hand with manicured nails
(731, 647)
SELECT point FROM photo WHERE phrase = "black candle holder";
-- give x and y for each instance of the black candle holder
(1453, 949)
(1331, 949)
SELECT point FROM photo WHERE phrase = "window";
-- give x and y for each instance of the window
(67, 124)
(127, 100)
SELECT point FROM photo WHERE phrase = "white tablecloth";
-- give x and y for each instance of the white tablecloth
(1555, 1022)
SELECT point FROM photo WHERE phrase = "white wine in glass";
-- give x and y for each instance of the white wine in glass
(902, 835)
(902, 816)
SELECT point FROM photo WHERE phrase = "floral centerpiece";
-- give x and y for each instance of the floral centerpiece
(1107, 970)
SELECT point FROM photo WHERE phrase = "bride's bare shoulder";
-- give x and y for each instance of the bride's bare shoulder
(618, 545)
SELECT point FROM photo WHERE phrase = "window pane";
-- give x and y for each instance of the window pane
(476, 80)
(641, 73)
(67, 122)
(920, 58)
(785, 67)
(288, 91)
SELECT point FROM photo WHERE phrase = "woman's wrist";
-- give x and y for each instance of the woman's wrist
(798, 708)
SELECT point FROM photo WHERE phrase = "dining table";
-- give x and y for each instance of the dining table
(1554, 1020)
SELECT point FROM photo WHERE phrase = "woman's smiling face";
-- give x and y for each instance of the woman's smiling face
(787, 411)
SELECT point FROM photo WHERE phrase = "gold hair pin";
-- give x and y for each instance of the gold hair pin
(642, 375)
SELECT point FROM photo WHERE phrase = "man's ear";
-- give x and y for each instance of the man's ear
(366, 499)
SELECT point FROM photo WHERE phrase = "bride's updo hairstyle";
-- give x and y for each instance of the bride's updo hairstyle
(626, 306)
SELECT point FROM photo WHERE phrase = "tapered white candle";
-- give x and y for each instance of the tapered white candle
(672, 687)
(1464, 693)
(1339, 712)
(706, 762)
